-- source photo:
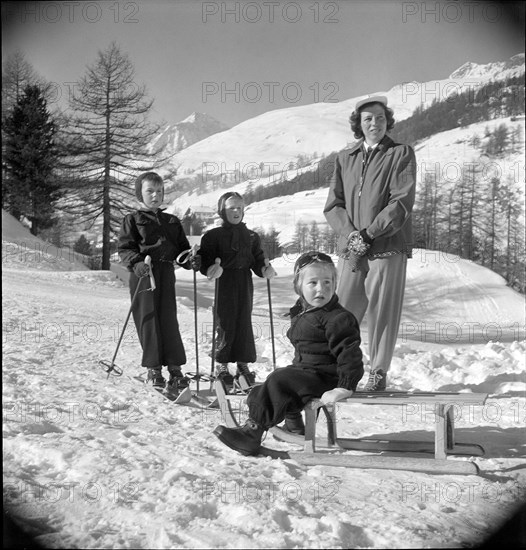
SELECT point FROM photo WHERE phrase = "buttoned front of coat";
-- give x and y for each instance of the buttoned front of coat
(155, 234)
(377, 195)
(325, 336)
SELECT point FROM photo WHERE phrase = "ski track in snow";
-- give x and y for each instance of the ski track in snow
(91, 462)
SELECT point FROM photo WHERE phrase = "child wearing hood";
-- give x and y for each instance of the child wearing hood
(149, 231)
(327, 361)
(230, 254)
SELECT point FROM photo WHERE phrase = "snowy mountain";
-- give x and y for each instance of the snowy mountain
(92, 462)
(277, 138)
(196, 127)
(495, 71)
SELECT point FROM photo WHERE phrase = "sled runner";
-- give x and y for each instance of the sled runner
(225, 399)
(243, 386)
(441, 404)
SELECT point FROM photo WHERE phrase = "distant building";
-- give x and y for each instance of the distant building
(196, 218)
(203, 213)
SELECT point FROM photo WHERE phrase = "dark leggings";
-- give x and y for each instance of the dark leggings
(287, 390)
(155, 316)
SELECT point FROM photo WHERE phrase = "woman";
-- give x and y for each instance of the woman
(369, 205)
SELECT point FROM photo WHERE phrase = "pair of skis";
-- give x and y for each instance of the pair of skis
(241, 385)
(185, 395)
(178, 395)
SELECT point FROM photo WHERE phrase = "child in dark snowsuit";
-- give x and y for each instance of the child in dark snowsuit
(327, 360)
(151, 232)
(230, 253)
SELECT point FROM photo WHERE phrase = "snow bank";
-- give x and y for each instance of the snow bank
(91, 462)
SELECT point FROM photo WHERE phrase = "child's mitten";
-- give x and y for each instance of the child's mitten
(141, 269)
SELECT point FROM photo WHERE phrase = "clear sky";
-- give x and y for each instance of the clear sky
(237, 59)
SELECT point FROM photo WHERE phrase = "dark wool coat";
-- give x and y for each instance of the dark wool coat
(161, 236)
(377, 196)
(326, 338)
(239, 249)
(155, 234)
(327, 355)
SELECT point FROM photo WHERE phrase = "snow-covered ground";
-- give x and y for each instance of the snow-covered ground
(91, 462)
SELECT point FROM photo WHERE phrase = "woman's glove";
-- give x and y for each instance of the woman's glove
(215, 271)
(355, 249)
(141, 269)
(356, 262)
(337, 394)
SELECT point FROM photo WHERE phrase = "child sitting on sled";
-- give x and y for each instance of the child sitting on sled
(149, 231)
(327, 361)
(231, 253)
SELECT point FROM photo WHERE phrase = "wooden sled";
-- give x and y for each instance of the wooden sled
(230, 404)
(444, 443)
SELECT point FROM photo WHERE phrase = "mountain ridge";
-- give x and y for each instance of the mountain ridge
(194, 128)
(279, 136)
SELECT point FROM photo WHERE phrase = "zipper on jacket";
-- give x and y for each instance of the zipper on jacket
(365, 163)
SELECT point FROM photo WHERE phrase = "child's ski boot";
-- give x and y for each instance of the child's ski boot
(177, 382)
(244, 377)
(223, 374)
(155, 377)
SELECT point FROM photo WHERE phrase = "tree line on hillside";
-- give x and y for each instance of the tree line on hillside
(305, 181)
(211, 179)
(493, 100)
(457, 222)
(480, 218)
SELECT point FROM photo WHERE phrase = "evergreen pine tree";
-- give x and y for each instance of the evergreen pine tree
(29, 188)
(17, 73)
(314, 236)
(301, 237)
(82, 246)
(109, 143)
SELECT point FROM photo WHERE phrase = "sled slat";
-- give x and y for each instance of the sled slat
(434, 466)
(380, 445)
(408, 398)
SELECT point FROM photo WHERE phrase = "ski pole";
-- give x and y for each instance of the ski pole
(112, 368)
(181, 259)
(196, 333)
(214, 324)
(271, 321)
